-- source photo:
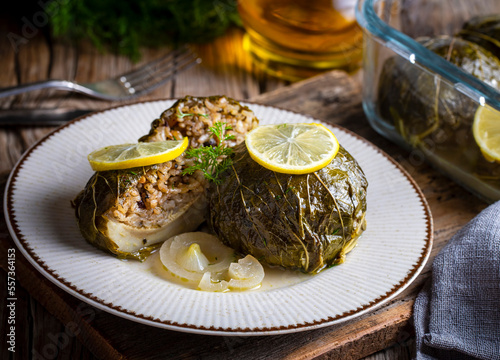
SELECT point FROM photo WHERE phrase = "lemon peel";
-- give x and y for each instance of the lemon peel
(486, 132)
(126, 156)
(292, 148)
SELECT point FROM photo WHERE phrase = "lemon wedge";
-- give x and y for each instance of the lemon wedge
(126, 156)
(486, 131)
(292, 148)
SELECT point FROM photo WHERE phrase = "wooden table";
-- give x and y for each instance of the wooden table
(44, 313)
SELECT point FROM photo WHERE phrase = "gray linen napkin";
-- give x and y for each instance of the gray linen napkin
(457, 313)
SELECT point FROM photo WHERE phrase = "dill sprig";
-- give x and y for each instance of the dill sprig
(181, 115)
(126, 26)
(212, 160)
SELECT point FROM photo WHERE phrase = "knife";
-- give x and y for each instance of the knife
(40, 117)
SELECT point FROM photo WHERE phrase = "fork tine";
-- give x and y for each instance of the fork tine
(160, 69)
(145, 79)
(161, 77)
(146, 68)
(180, 58)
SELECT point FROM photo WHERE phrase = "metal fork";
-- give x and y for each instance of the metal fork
(131, 84)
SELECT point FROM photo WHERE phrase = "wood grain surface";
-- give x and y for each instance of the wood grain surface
(54, 325)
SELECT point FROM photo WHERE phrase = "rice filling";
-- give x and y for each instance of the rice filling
(193, 117)
(153, 198)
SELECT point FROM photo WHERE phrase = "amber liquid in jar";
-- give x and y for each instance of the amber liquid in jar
(296, 39)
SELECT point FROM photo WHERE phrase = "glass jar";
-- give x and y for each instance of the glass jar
(297, 39)
(425, 78)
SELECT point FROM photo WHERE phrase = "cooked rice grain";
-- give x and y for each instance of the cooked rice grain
(150, 200)
(193, 116)
(155, 193)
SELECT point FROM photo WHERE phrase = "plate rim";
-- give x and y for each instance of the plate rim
(109, 307)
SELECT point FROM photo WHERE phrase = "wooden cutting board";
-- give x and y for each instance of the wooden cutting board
(335, 98)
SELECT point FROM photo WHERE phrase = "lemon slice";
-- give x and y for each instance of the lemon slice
(486, 131)
(126, 156)
(292, 148)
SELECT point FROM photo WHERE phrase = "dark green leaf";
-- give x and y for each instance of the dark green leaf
(296, 231)
(125, 26)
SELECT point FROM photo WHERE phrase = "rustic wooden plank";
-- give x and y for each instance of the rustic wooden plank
(46, 333)
(63, 64)
(33, 60)
(401, 351)
(333, 97)
(83, 63)
(86, 64)
(34, 64)
(11, 148)
(8, 57)
(52, 339)
(29, 136)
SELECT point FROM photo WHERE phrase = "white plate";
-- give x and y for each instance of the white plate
(389, 255)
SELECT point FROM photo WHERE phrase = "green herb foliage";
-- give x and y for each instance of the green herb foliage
(296, 230)
(125, 26)
(181, 115)
(212, 160)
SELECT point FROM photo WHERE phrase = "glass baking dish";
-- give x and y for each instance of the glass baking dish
(419, 99)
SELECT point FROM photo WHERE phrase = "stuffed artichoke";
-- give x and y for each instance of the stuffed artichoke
(306, 222)
(130, 212)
